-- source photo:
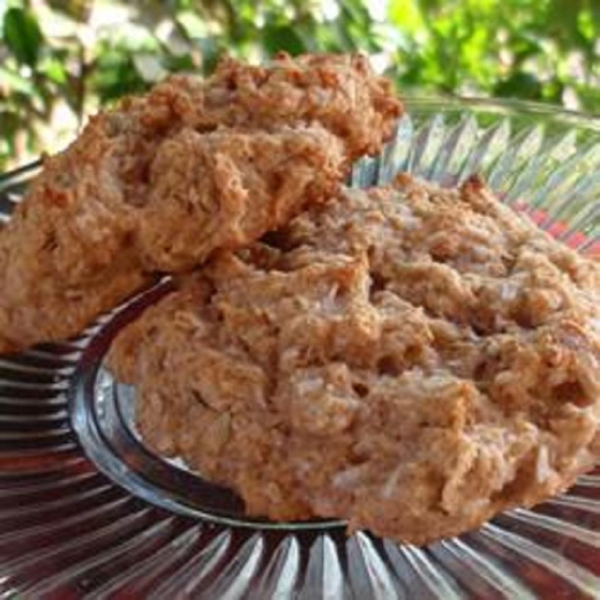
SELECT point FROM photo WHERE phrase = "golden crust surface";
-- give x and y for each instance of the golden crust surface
(411, 359)
(167, 178)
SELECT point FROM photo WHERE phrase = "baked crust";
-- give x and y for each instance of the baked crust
(167, 178)
(411, 359)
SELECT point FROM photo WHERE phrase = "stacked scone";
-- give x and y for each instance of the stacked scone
(164, 180)
(411, 359)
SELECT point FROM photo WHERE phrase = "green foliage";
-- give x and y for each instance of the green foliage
(22, 35)
(70, 57)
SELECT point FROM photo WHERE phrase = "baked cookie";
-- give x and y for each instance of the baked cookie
(167, 178)
(411, 359)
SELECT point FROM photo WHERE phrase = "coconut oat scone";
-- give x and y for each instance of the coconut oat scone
(411, 359)
(168, 177)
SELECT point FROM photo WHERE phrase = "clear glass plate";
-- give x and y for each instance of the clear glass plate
(87, 511)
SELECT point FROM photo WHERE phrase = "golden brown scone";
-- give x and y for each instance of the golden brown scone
(339, 91)
(413, 360)
(167, 178)
(70, 253)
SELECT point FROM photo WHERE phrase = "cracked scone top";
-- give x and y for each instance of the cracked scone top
(411, 359)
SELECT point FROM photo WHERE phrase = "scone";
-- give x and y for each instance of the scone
(167, 178)
(411, 359)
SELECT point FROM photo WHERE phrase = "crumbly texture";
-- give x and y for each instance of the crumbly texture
(411, 359)
(165, 179)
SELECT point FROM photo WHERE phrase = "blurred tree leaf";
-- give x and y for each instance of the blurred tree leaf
(283, 38)
(192, 24)
(525, 46)
(9, 122)
(210, 52)
(80, 10)
(520, 84)
(11, 83)
(149, 67)
(405, 14)
(54, 69)
(22, 35)
(115, 74)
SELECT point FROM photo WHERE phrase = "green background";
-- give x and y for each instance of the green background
(61, 60)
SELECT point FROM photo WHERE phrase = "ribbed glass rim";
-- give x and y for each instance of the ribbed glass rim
(505, 106)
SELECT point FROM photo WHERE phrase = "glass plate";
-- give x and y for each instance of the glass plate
(87, 511)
